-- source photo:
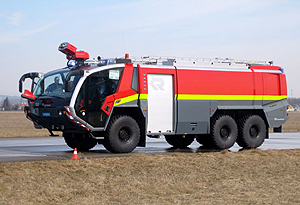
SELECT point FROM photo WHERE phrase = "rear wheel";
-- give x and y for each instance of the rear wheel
(122, 135)
(223, 132)
(252, 131)
(179, 141)
(81, 141)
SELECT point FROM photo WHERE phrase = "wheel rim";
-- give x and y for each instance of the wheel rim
(124, 134)
(253, 131)
(225, 132)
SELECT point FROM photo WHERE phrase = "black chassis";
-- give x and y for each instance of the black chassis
(52, 116)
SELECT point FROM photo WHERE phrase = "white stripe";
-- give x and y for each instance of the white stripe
(69, 116)
(92, 70)
(266, 71)
(215, 69)
(157, 66)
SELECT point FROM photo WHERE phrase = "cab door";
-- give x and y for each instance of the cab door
(93, 92)
(89, 101)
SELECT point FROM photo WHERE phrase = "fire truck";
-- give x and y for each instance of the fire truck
(118, 102)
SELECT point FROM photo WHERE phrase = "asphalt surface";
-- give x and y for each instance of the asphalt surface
(54, 148)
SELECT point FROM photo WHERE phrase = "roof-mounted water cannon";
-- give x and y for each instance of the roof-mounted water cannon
(72, 53)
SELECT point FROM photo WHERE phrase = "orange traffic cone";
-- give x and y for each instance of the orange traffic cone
(75, 156)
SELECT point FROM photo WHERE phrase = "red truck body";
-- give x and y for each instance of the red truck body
(217, 102)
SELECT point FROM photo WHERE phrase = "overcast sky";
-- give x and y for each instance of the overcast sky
(31, 31)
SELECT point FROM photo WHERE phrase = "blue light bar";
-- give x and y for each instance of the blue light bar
(72, 63)
(103, 62)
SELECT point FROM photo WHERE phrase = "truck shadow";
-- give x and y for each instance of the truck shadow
(182, 150)
(201, 149)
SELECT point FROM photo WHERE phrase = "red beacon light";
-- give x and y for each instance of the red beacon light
(72, 53)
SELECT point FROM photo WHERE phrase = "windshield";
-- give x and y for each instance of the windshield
(52, 84)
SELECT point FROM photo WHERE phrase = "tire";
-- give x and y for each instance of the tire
(122, 135)
(81, 141)
(224, 132)
(180, 141)
(277, 129)
(205, 140)
(252, 131)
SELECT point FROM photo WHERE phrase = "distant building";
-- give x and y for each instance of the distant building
(293, 108)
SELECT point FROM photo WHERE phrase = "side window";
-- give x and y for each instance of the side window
(134, 83)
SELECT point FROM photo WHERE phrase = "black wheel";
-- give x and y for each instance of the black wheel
(122, 135)
(81, 141)
(180, 141)
(252, 131)
(205, 140)
(224, 132)
(277, 129)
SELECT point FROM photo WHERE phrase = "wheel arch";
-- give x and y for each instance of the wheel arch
(136, 114)
(236, 114)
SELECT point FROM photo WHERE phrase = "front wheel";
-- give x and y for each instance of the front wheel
(122, 135)
(81, 141)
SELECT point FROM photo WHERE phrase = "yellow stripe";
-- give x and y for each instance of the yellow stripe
(205, 97)
(126, 99)
(230, 97)
(143, 96)
(270, 97)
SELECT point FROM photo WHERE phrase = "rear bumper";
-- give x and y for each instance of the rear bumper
(276, 113)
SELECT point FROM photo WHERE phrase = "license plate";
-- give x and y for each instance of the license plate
(46, 114)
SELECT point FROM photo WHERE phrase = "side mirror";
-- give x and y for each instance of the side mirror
(68, 86)
(32, 76)
(20, 86)
(28, 95)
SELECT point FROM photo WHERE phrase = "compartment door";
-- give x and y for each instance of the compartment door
(271, 86)
(160, 103)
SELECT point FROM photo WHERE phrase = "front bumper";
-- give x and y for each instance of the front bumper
(53, 119)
